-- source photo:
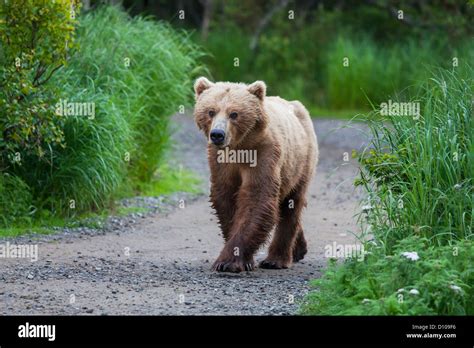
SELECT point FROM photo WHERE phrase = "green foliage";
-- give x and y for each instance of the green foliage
(383, 167)
(418, 174)
(441, 282)
(304, 60)
(224, 47)
(419, 170)
(97, 158)
(147, 68)
(35, 39)
(275, 62)
(378, 72)
(15, 200)
(124, 143)
(91, 168)
(169, 180)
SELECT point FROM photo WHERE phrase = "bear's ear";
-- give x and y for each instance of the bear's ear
(258, 88)
(201, 85)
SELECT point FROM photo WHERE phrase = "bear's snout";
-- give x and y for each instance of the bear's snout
(217, 136)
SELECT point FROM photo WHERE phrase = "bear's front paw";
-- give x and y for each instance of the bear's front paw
(274, 264)
(233, 265)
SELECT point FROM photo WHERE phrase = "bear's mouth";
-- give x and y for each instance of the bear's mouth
(220, 146)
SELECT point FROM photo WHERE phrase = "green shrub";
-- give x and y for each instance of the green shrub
(440, 282)
(15, 201)
(99, 157)
(124, 143)
(279, 60)
(376, 72)
(35, 39)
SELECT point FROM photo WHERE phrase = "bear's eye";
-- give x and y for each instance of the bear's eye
(212, 113)
(233, 115)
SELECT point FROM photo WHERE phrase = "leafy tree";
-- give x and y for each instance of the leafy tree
(35, 38)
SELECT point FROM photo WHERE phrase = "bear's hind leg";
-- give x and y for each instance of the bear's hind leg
(288, 243)
(299, 248)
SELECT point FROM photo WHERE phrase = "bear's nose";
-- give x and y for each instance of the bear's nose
(217, 136)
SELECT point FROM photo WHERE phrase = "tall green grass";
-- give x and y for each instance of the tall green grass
(419, 170)
(147, 68)
(137, 72)
(223, 48)
(376, 72)
(158, 80)
(418, 175)
(287, 70)
(307, 63)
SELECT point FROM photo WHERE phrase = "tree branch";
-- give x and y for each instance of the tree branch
(206, 19)
(264, 22)
(393, 12)
(37, 83)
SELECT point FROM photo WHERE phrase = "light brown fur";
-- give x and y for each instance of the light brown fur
(251, 201)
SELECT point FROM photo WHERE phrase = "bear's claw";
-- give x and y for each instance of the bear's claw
(249, 267)
(235, 267)
(273, 264)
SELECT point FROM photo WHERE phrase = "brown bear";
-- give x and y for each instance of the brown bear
(251, 197)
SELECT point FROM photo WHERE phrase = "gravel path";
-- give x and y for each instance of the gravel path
(158, 263)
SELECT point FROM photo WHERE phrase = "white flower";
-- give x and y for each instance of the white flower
(414, 292)
(365, 300)
(457, 186)
(366, 208)
(455, 288)
(400, 290)
(411, 255)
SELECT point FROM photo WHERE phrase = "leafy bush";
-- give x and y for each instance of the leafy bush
(135, 73)
(90, 169)
(440, 282)
(279, 61)
(15, 200)
(35, 38)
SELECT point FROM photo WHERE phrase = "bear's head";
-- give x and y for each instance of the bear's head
(230, 114)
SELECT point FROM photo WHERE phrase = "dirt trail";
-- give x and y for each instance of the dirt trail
(161, 264)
